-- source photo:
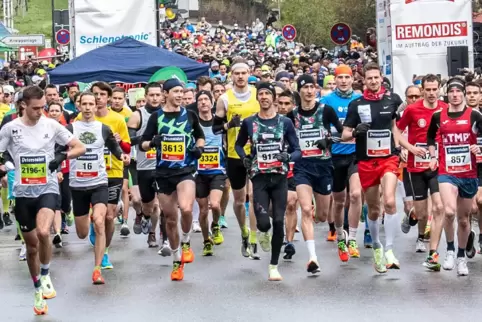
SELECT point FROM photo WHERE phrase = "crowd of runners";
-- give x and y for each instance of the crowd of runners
(322, 136)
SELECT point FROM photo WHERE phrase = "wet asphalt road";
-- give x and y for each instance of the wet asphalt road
(228, 287)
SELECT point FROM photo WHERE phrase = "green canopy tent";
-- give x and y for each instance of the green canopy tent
(4, 48)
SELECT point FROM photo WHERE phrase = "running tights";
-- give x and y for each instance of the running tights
(271, 188)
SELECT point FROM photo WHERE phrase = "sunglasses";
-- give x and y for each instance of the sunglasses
(413, 96)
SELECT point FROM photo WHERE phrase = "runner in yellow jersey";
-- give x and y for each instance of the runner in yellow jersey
(4, 109)
(119, 105)
(115, 167)
(232, 107)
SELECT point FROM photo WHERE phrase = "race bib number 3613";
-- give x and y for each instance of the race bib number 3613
(378, 143)
(33, 170)
(173, 147)
(457, 158)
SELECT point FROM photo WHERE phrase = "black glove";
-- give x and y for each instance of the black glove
(59, 158)
(283, 157)
(235, 121)
(324, 144)
(247, 162)
(361, 129)
(156, 141)
(196, 152)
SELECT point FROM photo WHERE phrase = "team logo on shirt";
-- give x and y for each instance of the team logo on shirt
(422, 123)
(16, 135)
(87, 138)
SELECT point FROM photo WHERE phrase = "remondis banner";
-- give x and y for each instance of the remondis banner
(421, 32)
(100, 22)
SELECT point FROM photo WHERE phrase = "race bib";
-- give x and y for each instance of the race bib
(266, 154)
(378, 143)
(173, 147)
(457, 158)
(292, 166)
(478, 157)
(107, 159)
(365, 113)
(33, 170)
(151, 154)
(209, 159)
(308, 140)
(63, 165)
(424, 162)
(87, 166)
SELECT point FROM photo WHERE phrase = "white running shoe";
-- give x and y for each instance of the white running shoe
(165, 249)
(449, 261)
(420, 246)
(196, 228)
(462, 269)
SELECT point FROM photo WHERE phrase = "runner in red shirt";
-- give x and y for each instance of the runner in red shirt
(416, 118)
(458, 126)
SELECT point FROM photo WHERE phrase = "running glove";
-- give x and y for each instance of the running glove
(235, 121)
(324, 144)
(247, 162)
(361, 129)
(196, 152)
(283, 157)
(57, 161)
(156, 141)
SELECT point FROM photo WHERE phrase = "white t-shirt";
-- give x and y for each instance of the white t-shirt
(32, 148)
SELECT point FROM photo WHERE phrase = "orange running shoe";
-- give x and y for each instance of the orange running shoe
(343, 251)
(187, 253)
(353, 249)
(331, 236)
(177, 273)
(40, 305)
(97, 278)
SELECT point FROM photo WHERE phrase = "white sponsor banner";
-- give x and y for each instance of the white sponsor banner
(98, 23)
(384, 38)
(421, 32)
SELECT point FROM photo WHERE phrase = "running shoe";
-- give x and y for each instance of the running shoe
(405, 225)
(218, 237)
(57, 241)
(64, 229)
(253, 252)
(353, 249)
(273, 273)
(97, 278)
(120, 212)
(17, 237)
(106, 264)
(391, 261)
(6, 219)
(343, 251)
(39, 305)
(449, 261)
(222, 222)
(69, 219)
(470, 248)
(23, 253)
(289, 251)
(47, 287)
(297, 229)
(379, 260)
(137, 225)
(245, 251)
(1, 223)
(313, 267)
(124, 231)
(462, 269)
(265, 241)
(151, 240)
(412, 217)
(420, 246)
(92, 234)
(187, 253)
(177, 273)
(331, 236)
(165, 249)
(208, 248)
(146, 225)
(367, 239)
(432, 262)
(196, 228)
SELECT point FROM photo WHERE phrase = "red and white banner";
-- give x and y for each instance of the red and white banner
(421, 32)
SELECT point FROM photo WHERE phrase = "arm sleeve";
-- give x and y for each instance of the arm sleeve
(242, 139)
(433, 128)
(218, 124)
(292, 139)
(135, 139)
(476, 121)
(197, 131)
(352, 118)
(151, 130)
(330, 117)
(111, 142)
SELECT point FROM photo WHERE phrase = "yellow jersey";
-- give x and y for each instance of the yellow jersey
(117, 124)
(126, 112)
(4, 109)
(244, 109)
